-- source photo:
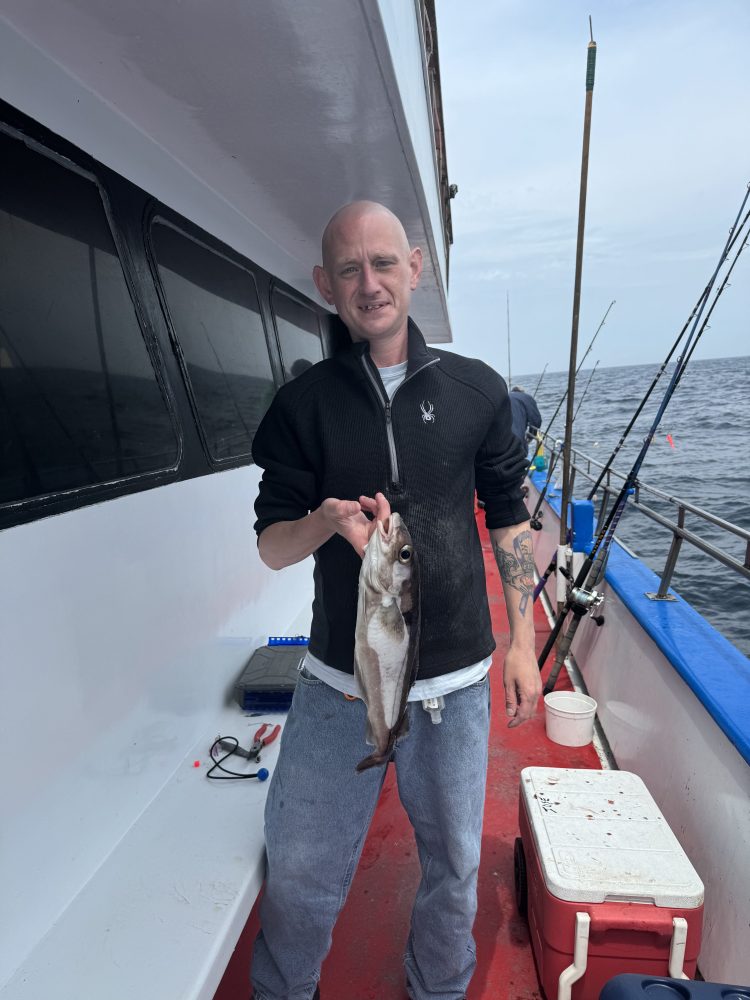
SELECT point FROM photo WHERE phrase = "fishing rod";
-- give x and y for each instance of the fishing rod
(734, 233)
(584, 599)
(572, 371)
(507, 312)
(583, 394)
(536, 524)
(540, 379)
(534, 521)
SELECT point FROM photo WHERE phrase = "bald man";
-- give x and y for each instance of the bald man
(389, 424)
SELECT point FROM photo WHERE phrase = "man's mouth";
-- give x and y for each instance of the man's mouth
(373, 307)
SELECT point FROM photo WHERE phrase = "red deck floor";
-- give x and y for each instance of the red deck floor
(365, 962)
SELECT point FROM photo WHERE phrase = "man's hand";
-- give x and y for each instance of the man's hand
(523, 685)
(287, 542)
(347, 518)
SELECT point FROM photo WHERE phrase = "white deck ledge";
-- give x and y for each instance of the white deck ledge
(162, 915)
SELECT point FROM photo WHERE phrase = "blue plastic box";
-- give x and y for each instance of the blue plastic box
(582, 523)
(632, 987)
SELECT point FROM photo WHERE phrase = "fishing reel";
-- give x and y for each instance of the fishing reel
(586, 602)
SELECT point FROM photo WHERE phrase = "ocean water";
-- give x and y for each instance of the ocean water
(708, 419)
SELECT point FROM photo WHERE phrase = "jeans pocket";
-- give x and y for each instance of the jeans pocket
(480, 686)
(308, 678)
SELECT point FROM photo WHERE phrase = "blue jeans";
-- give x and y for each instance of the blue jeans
(317, 816)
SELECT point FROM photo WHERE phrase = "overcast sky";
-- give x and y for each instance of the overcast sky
(669, 165)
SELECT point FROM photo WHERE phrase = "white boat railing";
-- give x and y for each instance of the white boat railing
(590, 469)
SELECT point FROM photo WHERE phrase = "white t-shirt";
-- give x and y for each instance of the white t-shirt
(392, 377)
(432, 687)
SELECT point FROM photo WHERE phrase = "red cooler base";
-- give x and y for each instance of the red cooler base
(623, 937)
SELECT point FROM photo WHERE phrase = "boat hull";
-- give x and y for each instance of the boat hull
(658, 728)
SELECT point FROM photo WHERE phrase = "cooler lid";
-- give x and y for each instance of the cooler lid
(601, 838)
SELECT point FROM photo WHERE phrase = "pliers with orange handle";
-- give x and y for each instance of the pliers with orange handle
(261, 740)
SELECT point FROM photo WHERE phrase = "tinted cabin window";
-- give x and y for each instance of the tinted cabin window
(299, 334)
(79, 401)
(213, 305)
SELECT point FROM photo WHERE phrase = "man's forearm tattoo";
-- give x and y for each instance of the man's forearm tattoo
(517, 567)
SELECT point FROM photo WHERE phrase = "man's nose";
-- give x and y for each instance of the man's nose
(368, 280)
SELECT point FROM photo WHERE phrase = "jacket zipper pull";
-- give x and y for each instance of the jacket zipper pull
(392, 447)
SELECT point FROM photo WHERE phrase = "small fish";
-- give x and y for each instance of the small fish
(387, 635)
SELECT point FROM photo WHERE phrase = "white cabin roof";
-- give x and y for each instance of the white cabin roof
(254, 120)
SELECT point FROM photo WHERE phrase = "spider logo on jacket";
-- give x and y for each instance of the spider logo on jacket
(427, 415)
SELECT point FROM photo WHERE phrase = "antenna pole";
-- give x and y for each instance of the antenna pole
(567, 443)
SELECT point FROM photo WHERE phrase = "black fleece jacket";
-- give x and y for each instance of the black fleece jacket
(332, 433)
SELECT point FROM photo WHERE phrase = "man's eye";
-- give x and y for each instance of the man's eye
(383, 263)
(349, 270)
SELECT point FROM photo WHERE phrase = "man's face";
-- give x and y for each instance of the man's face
(368, 274)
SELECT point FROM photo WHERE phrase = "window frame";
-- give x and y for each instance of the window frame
(17, 512)
(276, 285)
(160, 214)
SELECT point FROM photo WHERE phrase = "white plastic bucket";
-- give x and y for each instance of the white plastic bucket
(569, 717)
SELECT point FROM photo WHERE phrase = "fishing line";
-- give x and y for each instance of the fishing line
(540, 379)
(535, 522)
(583, 394)
(698, 305)
(586, 354)
(724, 284)
(576, 598)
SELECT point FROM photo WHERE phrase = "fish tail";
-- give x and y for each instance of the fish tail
(374, 760)
(379, 757)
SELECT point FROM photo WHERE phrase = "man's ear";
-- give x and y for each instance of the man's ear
(415, 264)
(322, 283)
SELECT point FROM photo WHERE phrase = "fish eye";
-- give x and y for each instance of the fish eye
(404, 554)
